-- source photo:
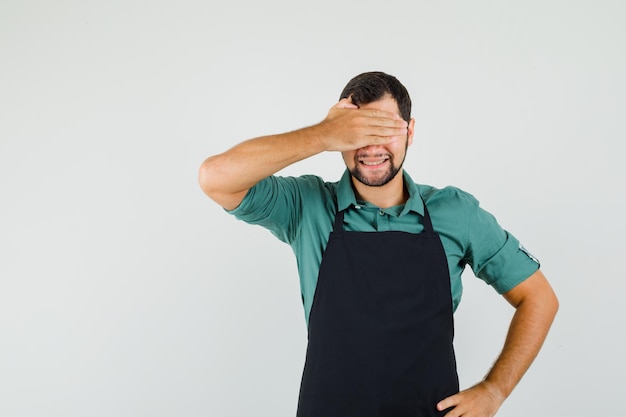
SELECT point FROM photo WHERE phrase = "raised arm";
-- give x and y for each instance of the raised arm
(227, 177)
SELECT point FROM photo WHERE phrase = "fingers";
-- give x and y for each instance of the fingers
(381, 135)
(348, 127)
(374, 129)
(384, 130)
(447, 403)
(473, 402)
(380, 117)
(387, 120)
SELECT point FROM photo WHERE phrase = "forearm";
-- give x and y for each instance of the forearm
(233, 172)
(527, 332)
(535, 307)
(227, 177)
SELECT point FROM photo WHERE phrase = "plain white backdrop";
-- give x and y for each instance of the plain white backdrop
(125, 292)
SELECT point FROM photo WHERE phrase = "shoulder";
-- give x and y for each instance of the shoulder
(448, 198)
(452, 210)
(279, 194)
(304, 181)
(300, 184)
(284, 204)
(309, 186)
(305, 192)
(314, 182)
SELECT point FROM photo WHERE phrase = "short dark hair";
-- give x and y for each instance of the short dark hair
(372, 86)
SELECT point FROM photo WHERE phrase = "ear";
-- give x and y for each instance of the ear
(410, 130)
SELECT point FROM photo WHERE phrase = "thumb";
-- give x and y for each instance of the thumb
(346, 103)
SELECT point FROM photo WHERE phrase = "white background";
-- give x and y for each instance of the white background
(125, 292)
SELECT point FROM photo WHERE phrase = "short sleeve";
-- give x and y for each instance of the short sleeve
(494, 254)
(274, 203)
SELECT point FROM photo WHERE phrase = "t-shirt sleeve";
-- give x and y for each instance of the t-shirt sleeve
(274, 203)
(495, 255)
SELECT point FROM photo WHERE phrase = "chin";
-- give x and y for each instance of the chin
(377, 180)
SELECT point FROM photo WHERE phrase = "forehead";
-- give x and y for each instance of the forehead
(387, 103)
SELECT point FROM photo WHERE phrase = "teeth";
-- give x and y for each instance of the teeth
(377, 162)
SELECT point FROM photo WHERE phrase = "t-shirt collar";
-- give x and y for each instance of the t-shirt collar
(346, 197)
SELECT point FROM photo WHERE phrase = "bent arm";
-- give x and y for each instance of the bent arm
(227, 177)
(535, 308)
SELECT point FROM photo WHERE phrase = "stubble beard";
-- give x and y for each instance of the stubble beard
(380, 180)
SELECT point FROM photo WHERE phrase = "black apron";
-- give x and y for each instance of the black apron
(381, 327)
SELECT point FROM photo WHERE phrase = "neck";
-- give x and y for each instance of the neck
(391, 194)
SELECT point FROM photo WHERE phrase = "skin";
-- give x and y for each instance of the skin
(393, 192)
(535, 308)
(227, 177)
(373, 140)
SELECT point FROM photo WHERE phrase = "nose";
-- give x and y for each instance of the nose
(371, 149)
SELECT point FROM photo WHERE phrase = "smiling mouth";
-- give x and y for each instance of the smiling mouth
(372, 161)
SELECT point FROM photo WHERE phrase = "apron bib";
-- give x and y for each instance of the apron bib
(381, 327)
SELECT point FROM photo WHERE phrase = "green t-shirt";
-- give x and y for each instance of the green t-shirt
(300, 211)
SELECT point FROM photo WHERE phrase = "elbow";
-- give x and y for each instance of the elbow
(216, 181)
(551, 300)
(535, 294)
(207, 177)
(548, 304)
(555, 304)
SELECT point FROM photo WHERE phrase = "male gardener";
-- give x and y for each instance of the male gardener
(380, 261)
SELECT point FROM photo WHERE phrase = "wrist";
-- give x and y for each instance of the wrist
(495, 389)
(317, 136)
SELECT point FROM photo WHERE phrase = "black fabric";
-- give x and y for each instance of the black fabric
(381, 327)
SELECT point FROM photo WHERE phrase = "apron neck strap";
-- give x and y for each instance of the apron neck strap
(338, 223)
(428, 225)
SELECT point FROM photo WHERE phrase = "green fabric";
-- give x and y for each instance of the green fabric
(300, 212)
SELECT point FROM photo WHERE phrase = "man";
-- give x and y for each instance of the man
(380, 260)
